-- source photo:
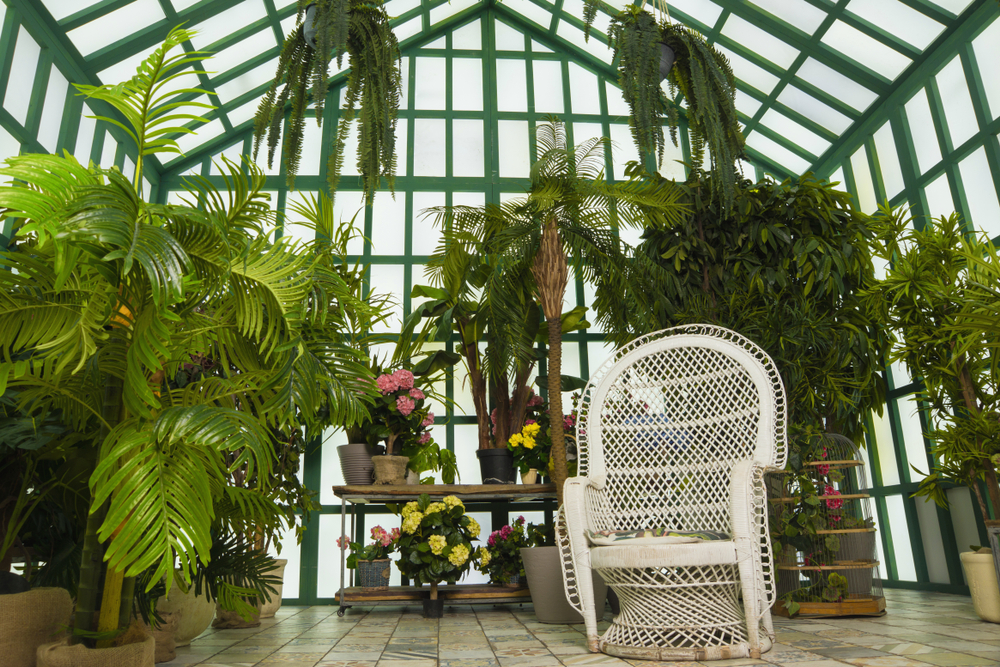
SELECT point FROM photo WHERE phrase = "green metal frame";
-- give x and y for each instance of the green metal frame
(57, 50)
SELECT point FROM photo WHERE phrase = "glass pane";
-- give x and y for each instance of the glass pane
(980, 192)
(836, 84)
(388, 279)
(886, 450)
(987, 48)
(813, 109)
(863, 49)
(764, 44)
(428, 147)
(293, 227)
(9, 146)
(512, 84)
(508, 39)
(430, 88)
(225, 22)
(792, 131)
(939, 201)
(778, 153)
(328, 577)
(930, 531)
(52, 112)
(893, 16)
(513, 147)
(426, 233)
(905, 569)
(467, 84)
(913, 438)
(468, 37)
(109, 28)
(584, 91)
(798, 13)
(291, 552)
(958, 111)
(389, 225)
(22, 76)
(888, 161)
(468, 156)
(963, 519)
(548, 84)
(918, 117)
(863, 181)
(752, 75)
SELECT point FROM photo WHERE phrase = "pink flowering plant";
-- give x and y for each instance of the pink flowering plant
(383, 544)
(501, 558)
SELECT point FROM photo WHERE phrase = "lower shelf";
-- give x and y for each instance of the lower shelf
(861, 606)
(462, 593)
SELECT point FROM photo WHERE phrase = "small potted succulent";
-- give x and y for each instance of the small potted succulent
(500, 559)
(435, 545)
(372, 561)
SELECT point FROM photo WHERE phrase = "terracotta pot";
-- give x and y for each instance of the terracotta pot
(268, 609)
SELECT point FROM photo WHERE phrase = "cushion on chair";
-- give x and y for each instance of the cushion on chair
(605, 538)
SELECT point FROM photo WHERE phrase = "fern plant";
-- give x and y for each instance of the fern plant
(700, 73)
(107, 290)
(359, 28)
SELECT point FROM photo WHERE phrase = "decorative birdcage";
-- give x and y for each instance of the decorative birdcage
(824, 534)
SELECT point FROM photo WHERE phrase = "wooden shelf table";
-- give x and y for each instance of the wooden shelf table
(467, 493)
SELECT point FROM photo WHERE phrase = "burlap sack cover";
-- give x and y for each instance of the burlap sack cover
(30, 619)
(60, 654)
(166, 647)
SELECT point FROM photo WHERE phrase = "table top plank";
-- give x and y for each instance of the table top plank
(473, 492)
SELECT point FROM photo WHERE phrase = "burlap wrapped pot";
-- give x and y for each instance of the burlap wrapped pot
(30, 619)
(59, 654)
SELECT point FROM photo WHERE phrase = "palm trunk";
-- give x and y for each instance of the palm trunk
(559, 468)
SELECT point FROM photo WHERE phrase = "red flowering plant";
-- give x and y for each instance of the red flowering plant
(383, 544)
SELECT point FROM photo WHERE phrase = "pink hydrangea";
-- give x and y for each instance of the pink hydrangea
(529, 421)
(404, 378)
(569, 422)
(405, 405)
(394, 534)
(343, 541)
(428, 420)
(505, 532)
(535, 401)
(387, 384)
(823, 469)
(425, 437)
(417, 394)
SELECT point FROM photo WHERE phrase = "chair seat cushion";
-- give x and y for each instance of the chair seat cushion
(606, 538)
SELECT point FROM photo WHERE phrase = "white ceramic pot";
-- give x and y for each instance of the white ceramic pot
(268, 609)
(982, 577)
(194, 613)
(530, 477)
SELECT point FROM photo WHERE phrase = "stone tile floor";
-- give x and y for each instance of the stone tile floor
(919, 630)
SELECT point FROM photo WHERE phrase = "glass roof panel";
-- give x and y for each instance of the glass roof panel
(958, 109)
(700, 10)
(468, 37)
(235, 55)
(108, 29)
(865, 50)
(213, 29)
(530, 11)
(798, 13)
(763, 43)
(842, 87)
(443, 11)
(775, 151)
(60, 9)
(22, 75)
(507, 38)
(244, 83)
(750, 74)
(918, 116)
(953, 6)
(746, 104)
(792, 131)
(400, 7)
(987, 50)
(807, 105)
(183, 4)
(895, 17)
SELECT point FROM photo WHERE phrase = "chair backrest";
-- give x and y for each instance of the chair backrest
(665, 420)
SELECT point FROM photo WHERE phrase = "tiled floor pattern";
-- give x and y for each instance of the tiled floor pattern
(919, 630)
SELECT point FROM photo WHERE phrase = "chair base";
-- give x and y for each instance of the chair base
(671, 654)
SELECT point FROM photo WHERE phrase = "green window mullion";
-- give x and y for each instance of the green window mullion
(91, 13)
(886, 39)
(851, 183)
(491, 124)
(38, 89)
(8, 41)
(875, 168)
(907, 153)
(69, 127)
(312, 478)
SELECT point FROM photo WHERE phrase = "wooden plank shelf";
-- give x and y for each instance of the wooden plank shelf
(470, 492)
(854, 606)
(457, 593)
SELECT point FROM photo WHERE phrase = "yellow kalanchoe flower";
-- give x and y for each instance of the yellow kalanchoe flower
(531, 430)
(459, 554)
(517, 440)
(529, 443)
(437, 543)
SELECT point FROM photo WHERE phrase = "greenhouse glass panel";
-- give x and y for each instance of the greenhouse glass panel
(798, 13)
(954, 91)
(918, 116)
(22, 76)
(978, 180)
(902, 550)
(902, 21)
(107, 29)
(930, 529)
(939, 200)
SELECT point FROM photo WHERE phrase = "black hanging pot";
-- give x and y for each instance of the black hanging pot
(433, 608)
(497, 466)
(667, 57)
(309, 25)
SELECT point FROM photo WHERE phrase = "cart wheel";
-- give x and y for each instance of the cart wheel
(340, 612)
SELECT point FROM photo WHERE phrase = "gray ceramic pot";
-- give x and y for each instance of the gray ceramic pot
(545, 581)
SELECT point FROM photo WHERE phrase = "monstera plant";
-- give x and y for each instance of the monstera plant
(107, 290)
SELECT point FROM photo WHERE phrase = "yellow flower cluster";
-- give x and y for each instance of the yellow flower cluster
(409, 508)
(526, 438)
(459, 554)
(484, 557)
(412, 522)
(474, 527)
(453, 501)
(436, 507)
(437, 543)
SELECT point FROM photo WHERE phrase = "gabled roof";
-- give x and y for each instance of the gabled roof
(813, 75)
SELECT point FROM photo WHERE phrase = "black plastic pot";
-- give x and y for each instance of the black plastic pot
(667, 57)
(433, 608)
(497, 466)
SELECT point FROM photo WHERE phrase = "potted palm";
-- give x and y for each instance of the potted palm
(435, 545)
(125, 285)
(359, 28)
(521, 251)
(649, 51)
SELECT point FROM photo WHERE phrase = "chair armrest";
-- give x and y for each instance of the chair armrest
(748, 513)
(575, 551)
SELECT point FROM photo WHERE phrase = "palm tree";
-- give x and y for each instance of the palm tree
(107, 290)
(523, 250)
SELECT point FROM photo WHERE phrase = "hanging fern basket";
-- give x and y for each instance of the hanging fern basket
(667, 58)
